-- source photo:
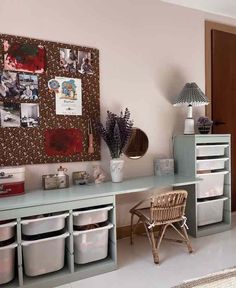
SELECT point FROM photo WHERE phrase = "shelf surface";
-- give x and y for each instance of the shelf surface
(213, 228)
(80, 192)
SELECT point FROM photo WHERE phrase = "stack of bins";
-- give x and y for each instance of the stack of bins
(7, 251)
(44, 244)
(211, 168)
(91, 234)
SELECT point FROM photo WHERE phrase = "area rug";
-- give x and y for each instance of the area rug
(222, 279)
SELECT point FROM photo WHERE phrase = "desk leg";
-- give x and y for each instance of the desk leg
(112, 233)
(19, 252)
(191, 208)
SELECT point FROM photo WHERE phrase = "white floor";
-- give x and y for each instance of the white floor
(136, 267)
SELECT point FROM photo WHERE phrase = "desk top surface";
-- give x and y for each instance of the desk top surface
(79, 192)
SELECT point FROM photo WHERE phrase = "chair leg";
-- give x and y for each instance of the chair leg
(190, 249)
(154, 247)
(132, 229)
(161, 235)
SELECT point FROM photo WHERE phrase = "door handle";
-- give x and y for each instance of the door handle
(219, 123)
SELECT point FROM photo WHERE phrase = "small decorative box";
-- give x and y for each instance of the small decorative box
(80, 177)
(11, 189)
(163, 167)
(12, 180)
(55, 181)
(12, 174)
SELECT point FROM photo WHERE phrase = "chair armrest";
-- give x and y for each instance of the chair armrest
(138, 204)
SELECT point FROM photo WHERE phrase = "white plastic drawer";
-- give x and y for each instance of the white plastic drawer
(210, 150)
(212, 184)
(211, 164)
(7, 260)
(211, 211)
(45, 255)
(91, 245)
(7, 231)
(91, 216)
(43, 224)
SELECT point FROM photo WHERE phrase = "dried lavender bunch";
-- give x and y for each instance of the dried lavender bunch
(116, 132)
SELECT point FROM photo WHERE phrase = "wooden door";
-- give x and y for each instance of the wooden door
(223, 92)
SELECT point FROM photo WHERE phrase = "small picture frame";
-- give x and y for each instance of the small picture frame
(80, 177)
(164, 167)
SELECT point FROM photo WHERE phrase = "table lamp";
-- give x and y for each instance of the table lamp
(190, 95)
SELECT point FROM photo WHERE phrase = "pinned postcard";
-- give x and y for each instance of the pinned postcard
(24, 57)
(69, 96)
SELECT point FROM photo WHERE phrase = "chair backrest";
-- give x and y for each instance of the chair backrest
(168, 206)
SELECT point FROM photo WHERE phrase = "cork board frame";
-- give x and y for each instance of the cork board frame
(26, 145)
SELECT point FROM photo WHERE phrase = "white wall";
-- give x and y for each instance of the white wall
(148, 51)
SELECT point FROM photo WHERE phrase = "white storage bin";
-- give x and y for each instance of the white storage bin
(211, 211)
(92, 216)
(212, 184)
(91, 245)
(7, 231)
(211, 150)
(7, 263)
(12, 174)
(44, 256)
(211, 164)
(43, 224)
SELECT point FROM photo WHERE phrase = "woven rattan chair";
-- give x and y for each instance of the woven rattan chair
(165, 210)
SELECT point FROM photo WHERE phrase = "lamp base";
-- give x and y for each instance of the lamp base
(189, 126)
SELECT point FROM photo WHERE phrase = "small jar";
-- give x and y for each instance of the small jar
(205, 129)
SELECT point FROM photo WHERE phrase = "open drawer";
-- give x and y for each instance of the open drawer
(211, 150)
(90, 216)
(212, 184)
(211, 164)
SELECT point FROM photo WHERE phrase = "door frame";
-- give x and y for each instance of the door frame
(209, 26)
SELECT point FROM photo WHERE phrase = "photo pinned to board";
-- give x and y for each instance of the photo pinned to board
(68, 96)
(85, 62)
(29, 115)
(10, 114)
(24, 57)
(28, 84)
(68, 59)
(9, 88)
(15, 85)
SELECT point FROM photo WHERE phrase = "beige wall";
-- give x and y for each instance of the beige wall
(148, 50)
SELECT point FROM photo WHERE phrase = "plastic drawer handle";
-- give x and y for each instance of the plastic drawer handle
(27, 243)
(76, 213)
(109, 226)
(26, 222)
(11, 246)
(9, 224)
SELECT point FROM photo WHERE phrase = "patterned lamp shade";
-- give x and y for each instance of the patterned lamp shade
(191, 94)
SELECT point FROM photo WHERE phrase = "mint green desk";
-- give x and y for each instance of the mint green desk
(40, 202)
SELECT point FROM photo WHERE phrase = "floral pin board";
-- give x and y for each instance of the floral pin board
(49, 95)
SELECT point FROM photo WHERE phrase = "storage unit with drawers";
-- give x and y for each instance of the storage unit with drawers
(47, 251)
(207, 157)
(69, 234)
(7, 251)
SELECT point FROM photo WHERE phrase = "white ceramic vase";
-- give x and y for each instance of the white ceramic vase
(116, 169)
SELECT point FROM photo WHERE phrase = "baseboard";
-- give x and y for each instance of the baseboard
(124, 232)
